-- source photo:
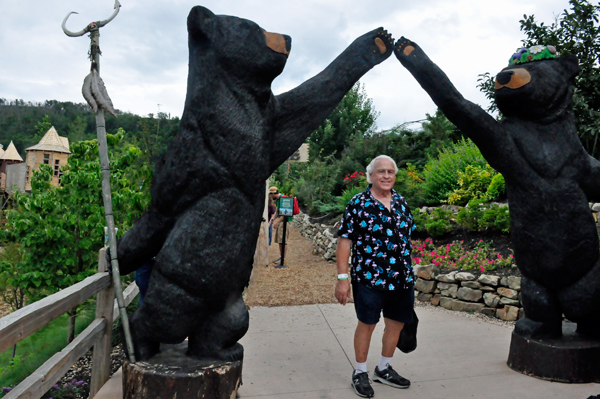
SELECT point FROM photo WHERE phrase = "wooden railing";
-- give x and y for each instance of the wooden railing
(24, 322)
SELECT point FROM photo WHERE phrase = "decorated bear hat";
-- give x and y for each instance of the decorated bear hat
(533, 53)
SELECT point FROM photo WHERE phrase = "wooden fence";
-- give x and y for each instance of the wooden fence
(24, 322)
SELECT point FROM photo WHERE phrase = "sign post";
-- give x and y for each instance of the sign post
(286, 209)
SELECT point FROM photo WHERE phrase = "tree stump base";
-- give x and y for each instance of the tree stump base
(571, 358)
(172, 374)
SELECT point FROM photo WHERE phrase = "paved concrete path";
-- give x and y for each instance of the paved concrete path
(306, 352)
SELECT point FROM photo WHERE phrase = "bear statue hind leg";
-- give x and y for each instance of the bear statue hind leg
(218, 334)
(143, 349)
(543, 316)
(581, 302)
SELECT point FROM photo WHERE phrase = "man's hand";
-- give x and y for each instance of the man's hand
(342, 291)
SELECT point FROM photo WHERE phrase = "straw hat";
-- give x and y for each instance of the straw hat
(273, 190)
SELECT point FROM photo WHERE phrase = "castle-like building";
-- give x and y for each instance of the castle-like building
(52, 150)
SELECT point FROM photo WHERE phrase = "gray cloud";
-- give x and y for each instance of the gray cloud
(145, 57)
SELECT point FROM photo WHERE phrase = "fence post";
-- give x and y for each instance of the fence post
(102, 349)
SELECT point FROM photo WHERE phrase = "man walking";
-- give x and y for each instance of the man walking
(278, 224)
(376, 226)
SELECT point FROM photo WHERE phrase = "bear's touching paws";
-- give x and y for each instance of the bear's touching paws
(384, 41)
(404, 47)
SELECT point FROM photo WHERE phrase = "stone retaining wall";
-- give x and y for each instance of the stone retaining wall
(322, 236)
(491, 295)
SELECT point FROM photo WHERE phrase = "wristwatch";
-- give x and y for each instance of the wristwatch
(343, 276)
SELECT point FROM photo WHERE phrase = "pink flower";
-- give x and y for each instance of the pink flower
(499, 255)
(510, 256)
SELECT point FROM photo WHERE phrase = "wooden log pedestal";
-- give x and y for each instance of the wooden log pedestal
(571, 358)
(171, 374)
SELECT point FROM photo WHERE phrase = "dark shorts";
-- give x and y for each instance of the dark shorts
(396, 305)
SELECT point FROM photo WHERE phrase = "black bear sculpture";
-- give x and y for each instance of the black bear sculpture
(208, 192)
(549, 180)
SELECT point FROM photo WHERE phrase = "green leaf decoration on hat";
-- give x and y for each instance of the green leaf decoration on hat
(533, 53)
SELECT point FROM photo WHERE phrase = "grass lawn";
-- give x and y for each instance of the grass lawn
(34, 350)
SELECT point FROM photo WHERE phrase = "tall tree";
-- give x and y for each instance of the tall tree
(354, 116)
(576, 31)
(77, 129)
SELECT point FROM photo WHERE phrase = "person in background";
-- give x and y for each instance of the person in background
(142, 279)
(271, 211)
(278, 223)
(376, 227)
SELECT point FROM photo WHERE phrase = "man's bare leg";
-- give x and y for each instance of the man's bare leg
(391, 334)
(362, 340)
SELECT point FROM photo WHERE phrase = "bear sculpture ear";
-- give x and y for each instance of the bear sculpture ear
(199, 22)
(571, 65)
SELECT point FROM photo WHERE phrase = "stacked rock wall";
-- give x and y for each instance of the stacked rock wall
(325, 241)
(491, 295)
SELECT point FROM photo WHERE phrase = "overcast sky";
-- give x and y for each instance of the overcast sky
(145, 56)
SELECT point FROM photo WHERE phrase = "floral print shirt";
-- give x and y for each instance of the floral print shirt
(380, 241)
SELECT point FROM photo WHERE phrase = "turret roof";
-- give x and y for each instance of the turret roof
(11, 153)
(51, 142)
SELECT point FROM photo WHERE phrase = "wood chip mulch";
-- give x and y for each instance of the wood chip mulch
(308, 278)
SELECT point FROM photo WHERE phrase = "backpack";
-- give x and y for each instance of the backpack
(296, 207)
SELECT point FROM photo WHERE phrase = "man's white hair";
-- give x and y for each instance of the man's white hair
(371, 166)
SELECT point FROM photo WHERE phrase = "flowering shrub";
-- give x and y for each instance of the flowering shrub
(455, 256)
(353, 179)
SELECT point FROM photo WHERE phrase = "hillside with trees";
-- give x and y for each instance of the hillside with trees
(25, 123)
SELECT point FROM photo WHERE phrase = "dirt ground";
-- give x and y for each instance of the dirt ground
(4, 309)
(308, 278)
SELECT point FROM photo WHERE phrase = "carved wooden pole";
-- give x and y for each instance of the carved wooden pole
(96, 95)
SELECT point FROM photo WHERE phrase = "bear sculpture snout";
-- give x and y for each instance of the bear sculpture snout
(504, 77)
(279, 43)
(512, 78)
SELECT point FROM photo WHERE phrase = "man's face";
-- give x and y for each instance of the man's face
(384, 175)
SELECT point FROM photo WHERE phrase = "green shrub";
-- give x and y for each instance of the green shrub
(478, 216)
(441, 174)
(502, 221)
(497, 188)
(420, 219)
(314, 188)
(469, 216)
(348, 194)
(473, 183)
(435, 224)
(410, 186)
